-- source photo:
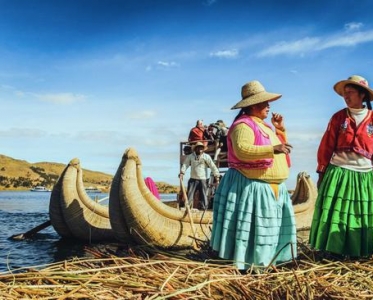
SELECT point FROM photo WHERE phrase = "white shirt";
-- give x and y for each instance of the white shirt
(198, 166)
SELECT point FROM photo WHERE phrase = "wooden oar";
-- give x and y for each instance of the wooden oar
(31, 232)
(189, 214)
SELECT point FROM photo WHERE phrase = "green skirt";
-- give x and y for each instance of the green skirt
(343, 218)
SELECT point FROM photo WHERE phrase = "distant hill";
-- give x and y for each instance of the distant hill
(20, 175)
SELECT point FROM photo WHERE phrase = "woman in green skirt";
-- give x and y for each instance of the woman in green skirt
(343, 218)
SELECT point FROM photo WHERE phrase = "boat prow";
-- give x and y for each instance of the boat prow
(117, 219)
(73, 213)
(304, 199)
(148, 220)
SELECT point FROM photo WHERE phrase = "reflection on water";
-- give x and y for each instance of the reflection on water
(42, 249)
(22, 211)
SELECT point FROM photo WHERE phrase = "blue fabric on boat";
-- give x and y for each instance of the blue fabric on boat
(251, 226)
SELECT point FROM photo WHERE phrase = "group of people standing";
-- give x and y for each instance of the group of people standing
(212, 136)
(253, 217)
(203, 138)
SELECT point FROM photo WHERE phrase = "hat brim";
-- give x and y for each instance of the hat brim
(194, 146)
(255, 99)
(340, 85)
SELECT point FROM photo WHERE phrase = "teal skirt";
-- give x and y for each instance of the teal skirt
(251, 226)
(343, 219)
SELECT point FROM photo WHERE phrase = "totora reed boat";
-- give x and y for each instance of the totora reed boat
(304, 199)
(134, 211)
(73, 214)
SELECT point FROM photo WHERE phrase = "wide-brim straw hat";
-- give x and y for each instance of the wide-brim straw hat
(198, 144)
(356, 80)
(252, 93)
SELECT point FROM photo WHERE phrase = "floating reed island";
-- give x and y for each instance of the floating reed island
(145, 273)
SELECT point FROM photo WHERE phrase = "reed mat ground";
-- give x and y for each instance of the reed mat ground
(138, 273)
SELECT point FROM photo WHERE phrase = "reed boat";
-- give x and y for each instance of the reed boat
(73, 214)
(134, 210)
(148, 220)
(304, 199)
(116, 215)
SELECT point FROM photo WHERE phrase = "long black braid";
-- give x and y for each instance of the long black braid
(242, 111)
(369, 105)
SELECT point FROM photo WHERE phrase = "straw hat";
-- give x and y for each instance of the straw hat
(354, 79)
(252, 93)
(199, 144)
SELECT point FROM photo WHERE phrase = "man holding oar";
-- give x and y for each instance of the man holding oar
(199, 162)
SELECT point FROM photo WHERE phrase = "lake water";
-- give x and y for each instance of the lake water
(22, 211)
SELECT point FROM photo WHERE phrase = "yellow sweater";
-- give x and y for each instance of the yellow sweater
(243, 145)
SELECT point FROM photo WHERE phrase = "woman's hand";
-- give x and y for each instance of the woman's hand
(282, 148)
(278, 121)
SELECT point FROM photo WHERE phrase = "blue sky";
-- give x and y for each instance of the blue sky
(88, 78)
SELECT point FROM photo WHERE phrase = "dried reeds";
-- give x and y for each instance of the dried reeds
(141, 274)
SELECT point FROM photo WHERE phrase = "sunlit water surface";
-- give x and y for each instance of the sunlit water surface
(22, 211)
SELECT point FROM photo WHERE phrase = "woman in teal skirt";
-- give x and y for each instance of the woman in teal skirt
(253, 220)
(343, 219)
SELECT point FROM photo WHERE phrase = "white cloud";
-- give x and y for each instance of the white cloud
(19, 94)
(297, 47)
(167, 64)
(145, 114)
(353, 26)
(12, 90)
(348, 38)
(20, 133)
(60, 98)
(6, 87)
(232, 53)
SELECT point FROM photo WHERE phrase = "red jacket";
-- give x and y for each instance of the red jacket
(196, 134)
(342, 135)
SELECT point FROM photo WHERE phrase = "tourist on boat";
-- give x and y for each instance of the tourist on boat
(253, 218)
(199, 162)
(343, 218)
(223, 127)
(201, 133)
(198, 133)
(222, 135)
(215, 134)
